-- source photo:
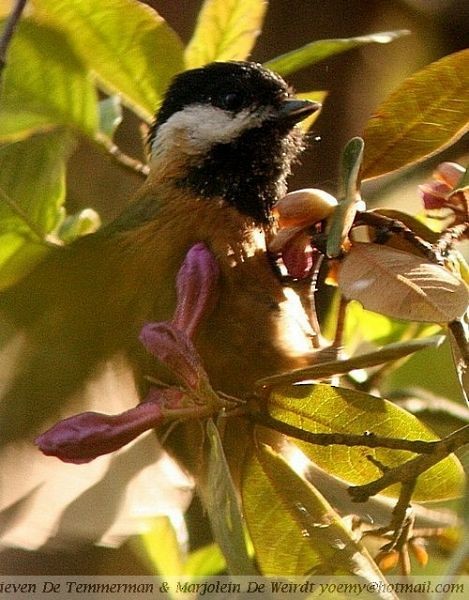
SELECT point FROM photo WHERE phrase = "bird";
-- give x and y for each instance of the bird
(221, 148)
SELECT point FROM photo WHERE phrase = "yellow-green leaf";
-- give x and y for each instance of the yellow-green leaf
(162, 548)
(428, 112)
(44, 83)
(32, 191)
(225, 30)
(129, 47)
(401, 285)
(323, 408)
(294, 529)
(319, 96)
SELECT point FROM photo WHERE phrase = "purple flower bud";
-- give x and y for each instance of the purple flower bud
(175, 350)
(434, 195)
(196, 288)
(84, 437)
(297, 256)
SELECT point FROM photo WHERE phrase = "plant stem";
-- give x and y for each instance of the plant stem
(9, 30)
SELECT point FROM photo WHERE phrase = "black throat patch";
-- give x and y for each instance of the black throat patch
(250, 172)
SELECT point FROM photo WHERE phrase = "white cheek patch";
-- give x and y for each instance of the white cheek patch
(198, 127)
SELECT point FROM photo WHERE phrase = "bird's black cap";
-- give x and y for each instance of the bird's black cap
(231, 86)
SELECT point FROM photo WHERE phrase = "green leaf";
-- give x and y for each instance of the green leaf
(370, 326)
(225, 30)
(110, 115)
(162, 548)
(427, 113)
(294, 529)
(129, 47)
(317, 96)
(221, 503)
(401, 285)
(205, 561)
(342, 218)
(44, 83)
(82, 223)
(323, 408)
(321, 49)
(32, 191)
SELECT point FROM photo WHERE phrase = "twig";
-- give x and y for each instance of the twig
(9, 30)
(342, 439)
(387, 224)
(324, 370)
(129, 163)
(410, 470)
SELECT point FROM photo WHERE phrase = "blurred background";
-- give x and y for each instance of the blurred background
(357, 81)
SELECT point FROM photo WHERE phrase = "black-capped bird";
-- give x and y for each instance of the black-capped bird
(222, 146)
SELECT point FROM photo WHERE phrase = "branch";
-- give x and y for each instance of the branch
(368, 440)
(410, 470)
(129, 163)
(9, 30)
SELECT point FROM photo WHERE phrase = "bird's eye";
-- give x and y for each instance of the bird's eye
(231, 101)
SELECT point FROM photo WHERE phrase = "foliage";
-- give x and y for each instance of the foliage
(124, 50)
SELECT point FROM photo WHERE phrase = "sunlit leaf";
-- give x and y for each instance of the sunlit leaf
(225, 30)
(44, 83)
(362, 324)
(162, 548)
(32, 191)
(321, 49)
(130, 48)
(428, 112)
(319, 96)
(401, 285)
(222, 507)
(323, 408)
(294, 529)
(204, 561)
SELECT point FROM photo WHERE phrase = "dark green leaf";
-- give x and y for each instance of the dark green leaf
(321, 49)
(428, 112)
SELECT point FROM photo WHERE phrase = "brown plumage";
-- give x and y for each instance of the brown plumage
(222, 147)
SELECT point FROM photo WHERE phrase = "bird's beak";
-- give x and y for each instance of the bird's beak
(294, 111)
